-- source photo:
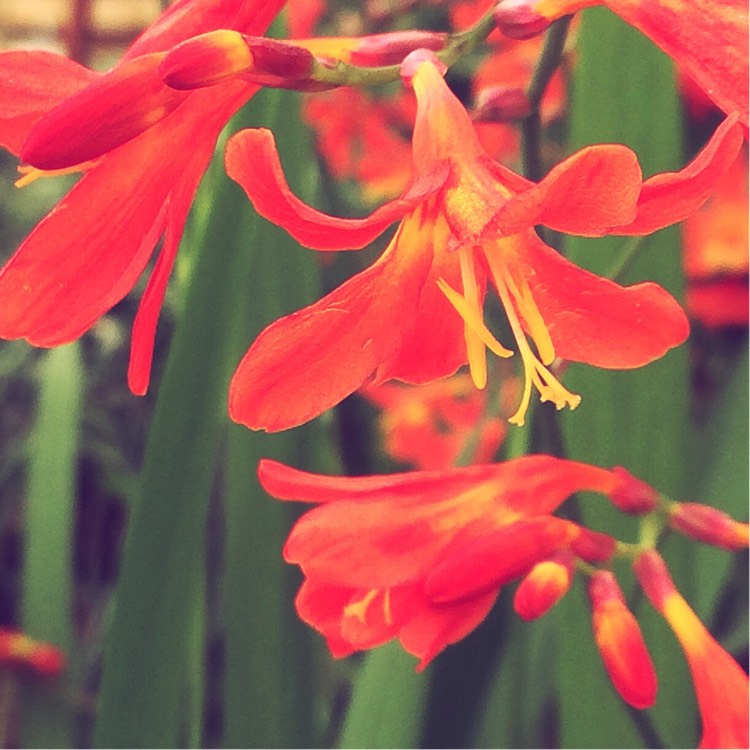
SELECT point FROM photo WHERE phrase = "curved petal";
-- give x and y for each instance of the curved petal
(531, 484)
(253, 161)
(31, 83)
(672, 196)
(605, 181)
(321, 606)
(596, 321)
(434, 627)
(309, 361)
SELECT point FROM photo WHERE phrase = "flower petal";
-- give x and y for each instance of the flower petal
(109, 112)
(531, 484)
(605, 180)
(31, 83)
(309, 361)
(253, 161)
(596, 321)
(672, 196)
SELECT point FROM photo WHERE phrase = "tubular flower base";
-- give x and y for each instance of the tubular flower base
(143, 148)
(708, 39)
(416, 314)
(721, 686)
(426, 552)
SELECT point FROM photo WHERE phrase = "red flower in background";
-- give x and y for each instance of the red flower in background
(464, 219)
(20, 653)
(715, 241)
(143, 148)
(708, 39)
(426, 552)
(429, 426)
(721, 686)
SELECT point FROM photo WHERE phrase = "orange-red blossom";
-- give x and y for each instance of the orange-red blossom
(421, 556)
(142, 146)
(417, 313)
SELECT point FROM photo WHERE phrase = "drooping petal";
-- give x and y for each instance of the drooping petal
(672, 196)
(31, 83)
(253, 161)
(309, 361)
(596, 321)
(321, 606)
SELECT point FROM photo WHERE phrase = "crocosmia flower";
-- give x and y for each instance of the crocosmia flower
(417, 313)
(708, 39)
(142, 147)
(721, 686)
(421, 556)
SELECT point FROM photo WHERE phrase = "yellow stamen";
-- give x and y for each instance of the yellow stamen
(387, 612)
(474, 345)
(473, 319)
(359, 609)
(535, 372)
(31, 174)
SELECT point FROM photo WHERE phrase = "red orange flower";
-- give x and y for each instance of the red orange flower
(429, 426)
(143, 148)
(24, 654)
(708, 39)
(465, 219)
(421, 556)
(721, 686)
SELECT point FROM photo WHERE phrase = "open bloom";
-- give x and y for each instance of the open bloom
(721, 686)
(143, 148)
(421, 556)
(416, 314)
(708, 39)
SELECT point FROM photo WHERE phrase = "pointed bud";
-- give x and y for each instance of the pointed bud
(708, 525)
(518, 19)
(501, 104)
(620, 642)
(632, 495)
(721, 686)
(414, 59)
(545, 584)
(21, 653)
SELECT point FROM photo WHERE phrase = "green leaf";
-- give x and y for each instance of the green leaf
(388, 701)
(623, 91)
(49, 520)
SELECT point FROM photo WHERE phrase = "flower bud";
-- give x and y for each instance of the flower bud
(393, 47)
(518, 19)
(721, 685)
(632, 495)
(620, 642)
(414, 59)
(708, 525)
(593, 546)
(544, 585)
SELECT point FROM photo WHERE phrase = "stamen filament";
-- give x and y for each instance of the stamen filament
(474, 345)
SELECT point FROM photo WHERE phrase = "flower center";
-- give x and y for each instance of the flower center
(518, 302)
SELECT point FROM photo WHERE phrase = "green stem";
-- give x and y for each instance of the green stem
(549, 62)
(346, 74)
